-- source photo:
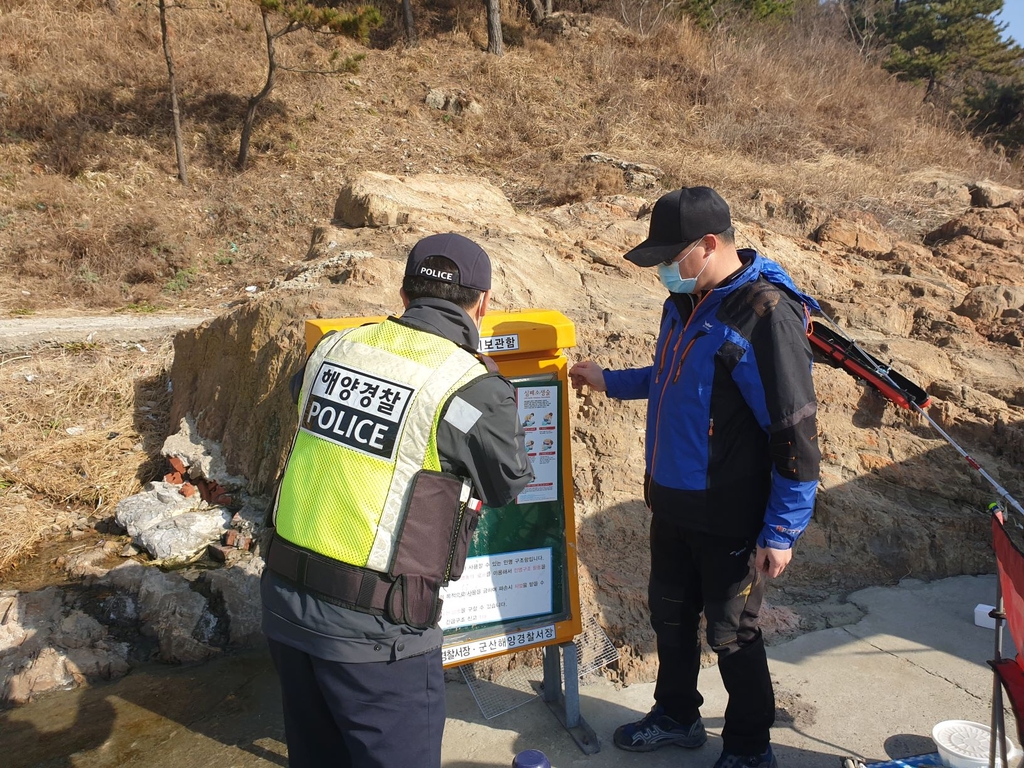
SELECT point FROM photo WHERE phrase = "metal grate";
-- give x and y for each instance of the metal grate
(594, 648)
(506, 692)
(521, 685)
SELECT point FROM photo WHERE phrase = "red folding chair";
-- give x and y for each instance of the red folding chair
(1009, 673)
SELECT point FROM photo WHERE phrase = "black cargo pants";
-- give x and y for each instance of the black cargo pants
(693, 572)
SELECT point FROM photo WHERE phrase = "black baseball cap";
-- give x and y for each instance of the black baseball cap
(680, 217)
(473, 262)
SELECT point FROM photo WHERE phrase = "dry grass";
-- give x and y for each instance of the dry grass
(91, 214)
(82, 429)
(26, 523)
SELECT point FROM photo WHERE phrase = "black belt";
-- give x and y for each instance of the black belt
(351, 586)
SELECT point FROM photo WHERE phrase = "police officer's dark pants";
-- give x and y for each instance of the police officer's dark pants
(691, 572)
(372, 715)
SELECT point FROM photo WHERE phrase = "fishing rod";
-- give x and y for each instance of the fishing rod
(853, 358)
(844, 350)
(849, 355)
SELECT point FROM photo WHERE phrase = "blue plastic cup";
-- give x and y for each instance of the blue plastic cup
(531, 758)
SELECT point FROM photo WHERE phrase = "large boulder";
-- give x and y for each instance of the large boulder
(988, 302)
(998, 227)
(988, 194)
(231, 375)
(167, 609)
(434, 201)
(237, 592)
(853, 236)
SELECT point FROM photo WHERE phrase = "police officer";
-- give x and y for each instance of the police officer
(403, 426)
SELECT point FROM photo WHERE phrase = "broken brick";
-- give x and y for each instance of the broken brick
(230, 537)
(220, 553)
(177, 465)
(187, 490)
(173, 477)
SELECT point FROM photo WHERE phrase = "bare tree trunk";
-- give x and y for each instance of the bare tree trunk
(548, 7)
(254, 102)
(495, 40)
(536, 8)
(179, 150)
(411, 38)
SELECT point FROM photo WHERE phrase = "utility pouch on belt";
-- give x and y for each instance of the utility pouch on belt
(414, 600)
(432, 545)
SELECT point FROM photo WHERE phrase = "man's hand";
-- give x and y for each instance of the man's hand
(587, 373)
(772, 562)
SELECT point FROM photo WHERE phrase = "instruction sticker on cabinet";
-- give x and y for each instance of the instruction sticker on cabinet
(538, 413)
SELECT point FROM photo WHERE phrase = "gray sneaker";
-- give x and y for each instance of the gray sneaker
(656, 730)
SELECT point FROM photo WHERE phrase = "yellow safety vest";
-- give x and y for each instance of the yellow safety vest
(368, 412)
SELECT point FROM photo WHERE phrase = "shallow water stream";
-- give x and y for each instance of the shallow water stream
(222, 713)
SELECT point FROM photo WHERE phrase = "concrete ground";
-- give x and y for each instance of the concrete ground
(873, 689)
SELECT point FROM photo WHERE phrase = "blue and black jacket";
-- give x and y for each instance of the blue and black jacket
(731, 430)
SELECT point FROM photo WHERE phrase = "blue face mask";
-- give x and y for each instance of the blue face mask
(669, 275)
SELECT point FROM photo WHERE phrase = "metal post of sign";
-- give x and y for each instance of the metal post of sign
(552, 673)
(566, 704)
(572, 692)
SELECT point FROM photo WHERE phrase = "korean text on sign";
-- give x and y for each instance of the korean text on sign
(506, 343)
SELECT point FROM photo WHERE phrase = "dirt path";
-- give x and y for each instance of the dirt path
(26, 332)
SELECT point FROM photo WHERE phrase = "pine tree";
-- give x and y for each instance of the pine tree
(948, 42)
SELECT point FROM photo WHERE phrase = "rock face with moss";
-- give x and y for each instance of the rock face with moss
(895, 500)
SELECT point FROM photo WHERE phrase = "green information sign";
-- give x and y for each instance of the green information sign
(515, 580)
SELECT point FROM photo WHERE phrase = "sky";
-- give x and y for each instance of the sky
(1013, 16)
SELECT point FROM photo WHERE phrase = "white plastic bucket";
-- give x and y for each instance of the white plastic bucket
(963, 744)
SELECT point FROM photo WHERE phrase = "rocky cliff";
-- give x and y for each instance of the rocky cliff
(945, 306)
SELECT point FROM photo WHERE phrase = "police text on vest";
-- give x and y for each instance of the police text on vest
(356, 409)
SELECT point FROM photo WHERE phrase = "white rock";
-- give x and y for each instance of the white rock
(204, 458)
(168, 525)
(179, 536)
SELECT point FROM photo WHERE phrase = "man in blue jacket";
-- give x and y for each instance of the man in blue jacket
(732, 466)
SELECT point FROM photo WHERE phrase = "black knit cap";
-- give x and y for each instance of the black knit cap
(473, 262)
(681, 217)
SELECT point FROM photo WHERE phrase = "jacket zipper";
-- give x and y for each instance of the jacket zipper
(661, 399)
(679, 365)
(464, 501)
(664, 350)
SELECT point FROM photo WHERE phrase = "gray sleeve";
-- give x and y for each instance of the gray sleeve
(479, 436)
